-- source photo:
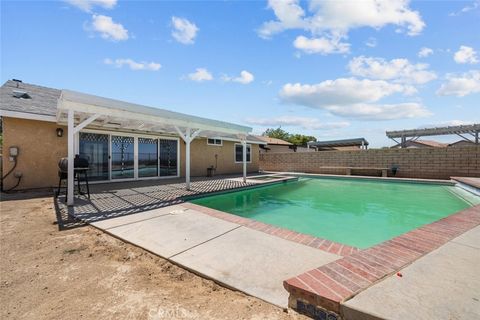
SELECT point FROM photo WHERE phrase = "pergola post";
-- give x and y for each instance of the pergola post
(188, 136)
(72, 132)
(187, 158)
(244, 159)
(70, 138)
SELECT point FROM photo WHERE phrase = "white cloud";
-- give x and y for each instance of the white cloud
(425, 52)
(342, 91)
(133, 65)
(371, 42)
(200, 75)
(108, 29)
(303, 122)
(87, 5)
(184, 31)
(473, 6)
(399, 70)
(466, 55)
(362, 111)
(334, 19)
(244, 78)
(461, 85)
(289, 15)
(321, 45)
(350, 97)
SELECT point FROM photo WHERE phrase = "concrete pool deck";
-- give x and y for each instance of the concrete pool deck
(444, 284)
(239, 257)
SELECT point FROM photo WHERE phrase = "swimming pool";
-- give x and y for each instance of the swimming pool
(355, 212)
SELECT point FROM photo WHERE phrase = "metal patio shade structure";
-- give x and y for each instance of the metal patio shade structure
(466, 132)
(79, 110)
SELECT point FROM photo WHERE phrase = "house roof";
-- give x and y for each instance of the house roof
(43, 100)
(462, 142)
(23, 100)
(431, 143)
(275, 141)
(340, 143)
(426, 143)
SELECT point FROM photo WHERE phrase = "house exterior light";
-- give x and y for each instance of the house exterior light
(59, 132)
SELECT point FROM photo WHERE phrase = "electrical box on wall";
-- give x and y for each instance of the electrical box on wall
(13, 153)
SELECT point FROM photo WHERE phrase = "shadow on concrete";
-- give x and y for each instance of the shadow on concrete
(112, 200)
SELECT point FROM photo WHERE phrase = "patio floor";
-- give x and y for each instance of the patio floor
(110, 200)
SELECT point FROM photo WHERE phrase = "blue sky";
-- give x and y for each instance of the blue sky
(332, 69)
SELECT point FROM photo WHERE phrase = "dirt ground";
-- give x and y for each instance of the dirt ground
(82, 273)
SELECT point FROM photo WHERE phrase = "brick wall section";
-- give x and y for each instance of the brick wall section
(427, 163)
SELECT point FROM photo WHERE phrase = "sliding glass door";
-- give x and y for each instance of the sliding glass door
(117, 157)
(147, 157)
(123, 161)
(168, 157)
(94, 148)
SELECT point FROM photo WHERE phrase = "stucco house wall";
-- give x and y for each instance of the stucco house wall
(203, 156)
(39, 152)
(40, 149)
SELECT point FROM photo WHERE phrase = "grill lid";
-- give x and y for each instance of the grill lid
(77, 163)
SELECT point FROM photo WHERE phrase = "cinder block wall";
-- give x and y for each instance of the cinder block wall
(428, 163)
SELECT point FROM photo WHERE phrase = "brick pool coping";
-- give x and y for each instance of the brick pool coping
(473, 182)
(327, 286)
(305, 239)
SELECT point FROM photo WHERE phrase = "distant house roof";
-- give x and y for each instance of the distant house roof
(461, 142)
(340, 143)
(275, 141)
(424, 143)
(431, 143)
(22, 97)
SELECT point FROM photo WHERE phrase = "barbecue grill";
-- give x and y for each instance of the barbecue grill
(80, 168)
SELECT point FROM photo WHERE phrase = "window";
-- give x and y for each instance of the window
(239, 153)
(21, 94)
(214, 142)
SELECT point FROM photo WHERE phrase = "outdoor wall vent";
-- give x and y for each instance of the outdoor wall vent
(21, 94)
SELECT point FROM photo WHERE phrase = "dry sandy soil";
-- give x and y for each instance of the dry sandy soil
(82, 273)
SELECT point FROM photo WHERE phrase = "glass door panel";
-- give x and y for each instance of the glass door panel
(147, 157)
(168, 157)
(94, 148)
(123, 157)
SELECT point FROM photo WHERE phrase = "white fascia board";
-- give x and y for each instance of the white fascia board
(237, 140)
(92, 104)
(28, 116)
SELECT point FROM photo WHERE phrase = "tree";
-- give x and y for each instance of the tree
(296, 139)
(300, 139)
(278, 133)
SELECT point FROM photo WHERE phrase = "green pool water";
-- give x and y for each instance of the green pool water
(355, 212)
